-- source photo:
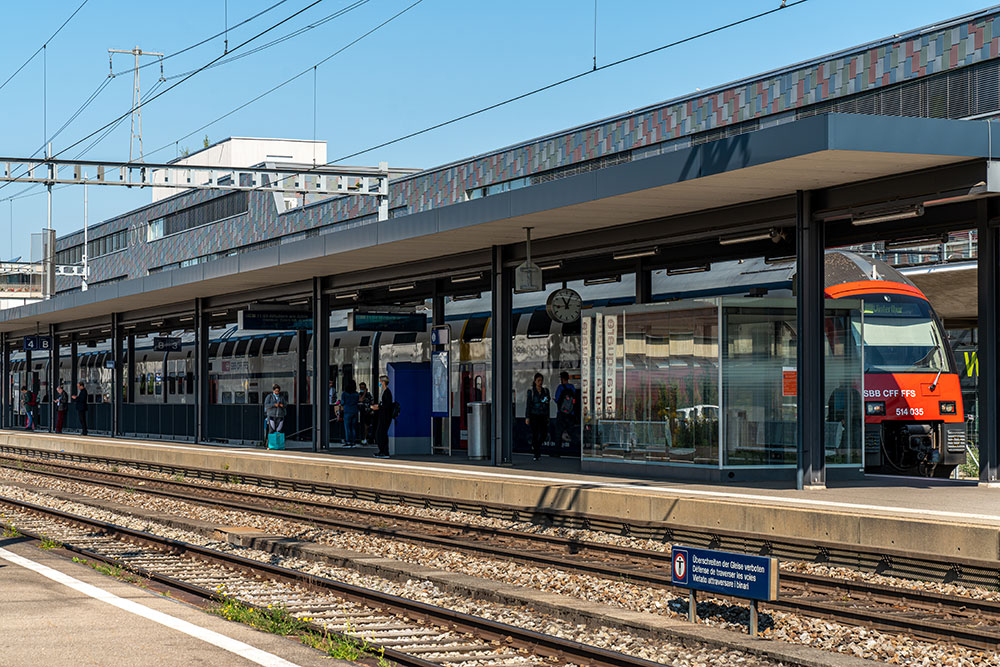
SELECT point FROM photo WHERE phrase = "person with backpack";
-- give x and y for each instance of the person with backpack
(384, 413)
(349, 409)
(30, 403)
(536, 412)
(365, 401)
(62, 407)
(565, 410)
(274, 411)
(80, 403)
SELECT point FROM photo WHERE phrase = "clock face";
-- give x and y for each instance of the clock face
(564, 306)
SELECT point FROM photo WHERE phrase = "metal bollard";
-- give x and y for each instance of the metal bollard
(753, 618)
(692, 606)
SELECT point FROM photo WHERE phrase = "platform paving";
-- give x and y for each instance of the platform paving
(933, 517)
(48, 622)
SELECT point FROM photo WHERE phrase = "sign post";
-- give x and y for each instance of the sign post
(754, 578)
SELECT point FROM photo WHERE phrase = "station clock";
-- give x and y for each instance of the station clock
(564, 306)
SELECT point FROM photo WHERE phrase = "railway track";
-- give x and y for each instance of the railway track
(929, 615)
(406, 632)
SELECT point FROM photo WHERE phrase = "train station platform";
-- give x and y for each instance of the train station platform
(940, 518)
(53, 608)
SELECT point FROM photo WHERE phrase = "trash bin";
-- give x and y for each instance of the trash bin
(480, 430)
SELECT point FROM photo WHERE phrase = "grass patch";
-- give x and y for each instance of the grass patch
(11, 531)
(178, 477)
(48, 544)
(277, 620)
(114, 571)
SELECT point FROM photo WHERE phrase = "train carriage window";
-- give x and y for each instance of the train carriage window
(227, 349)
(190, 382)
(571, 329)
(540, 324)
(405, 338)
(336, 342)
(365, 341)
(142, 385)
(213, 349)
(240, 398)
(255, 347)
(475, 328)
(227, 397)
(172, 384)
(241, 347)
(253, 397)
(269, 344)
(285, 344)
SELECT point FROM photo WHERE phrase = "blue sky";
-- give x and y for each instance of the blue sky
(438, 60)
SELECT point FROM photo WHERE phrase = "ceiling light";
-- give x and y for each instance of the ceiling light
(402, 288)
(347, 295)
(467, 279)
(552, 266)
(156, 324)
(602, 281)
(190, 318)
(299, 302)
(903, 214)
(634, 254)
(689, 269)
(772, 234)
(912, 242)
(467, 297)
(220, 313)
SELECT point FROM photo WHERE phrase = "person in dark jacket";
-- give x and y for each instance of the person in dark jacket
(80, 403)
(536, 413)
(274, 410)
(29, 401)
(349, 409)
(365, 401)
(62, 407)
(383, 418)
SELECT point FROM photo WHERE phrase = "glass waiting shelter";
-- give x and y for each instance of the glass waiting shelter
(706, 388)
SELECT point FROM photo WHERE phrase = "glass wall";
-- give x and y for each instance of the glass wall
(660, 384)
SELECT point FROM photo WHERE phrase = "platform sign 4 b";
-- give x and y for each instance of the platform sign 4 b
(740, 575)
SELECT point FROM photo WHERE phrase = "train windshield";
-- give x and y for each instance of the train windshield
(902, 335)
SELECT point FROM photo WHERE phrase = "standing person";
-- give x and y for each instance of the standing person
(349, 409)
(80, 403)
(383, 418)
(30, 403)
(365, 401)
(536, 412)
(565, 410)
(62, 407)
(274, 411)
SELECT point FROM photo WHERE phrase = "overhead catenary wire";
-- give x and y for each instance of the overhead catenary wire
(287, 81)
(142, 103)
(41, 48)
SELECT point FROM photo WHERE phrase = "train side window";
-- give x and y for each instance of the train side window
(241, 347)
(172, 384)
(213, 349)
(269, 344)
(227, 349)
(142, 386)
(190, 382)
(253, 397)
(255, 346)
(285, 344)
(227, 397)
(241, 398)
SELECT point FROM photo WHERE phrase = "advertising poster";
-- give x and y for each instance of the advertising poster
(439, 383)
(599, 367)
(610, 355)
(586, 366)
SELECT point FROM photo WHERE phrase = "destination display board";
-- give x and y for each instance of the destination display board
(740, 575)
(274, 320)
(375, 320)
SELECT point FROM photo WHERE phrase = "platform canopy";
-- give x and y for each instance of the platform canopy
(706, 191)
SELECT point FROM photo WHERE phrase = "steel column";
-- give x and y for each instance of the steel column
(116, 375)
(989, 361)
(503, 393)
(74, 366)
(440, 426)
(301, 381)
(200, 370)
(53, 376)
(5, 393)
(643, 283)
(810, 301)
(130, 362)
(321, 366)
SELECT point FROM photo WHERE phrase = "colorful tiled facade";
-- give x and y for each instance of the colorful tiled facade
(946, 47)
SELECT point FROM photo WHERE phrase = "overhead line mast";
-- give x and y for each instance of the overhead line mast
(136, 132)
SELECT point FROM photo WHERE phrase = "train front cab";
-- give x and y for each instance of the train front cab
(914, 417)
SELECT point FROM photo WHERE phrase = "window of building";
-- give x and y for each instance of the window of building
(205, 213)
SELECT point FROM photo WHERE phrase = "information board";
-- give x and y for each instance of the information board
(274, 320)
(166, 344)
(370, 320)
(440, 334)
(740, 575)
(440, 383)
(37, 343)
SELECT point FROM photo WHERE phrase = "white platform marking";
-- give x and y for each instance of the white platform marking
(252, 654)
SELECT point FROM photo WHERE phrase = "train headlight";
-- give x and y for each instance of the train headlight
(875, 408)
(946, 407)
